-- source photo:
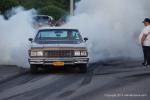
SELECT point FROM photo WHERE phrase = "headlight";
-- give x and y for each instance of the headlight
(77, 53)
(80, 53)
(83, 53)
(33, 53)
(39, 53)
(36, 53)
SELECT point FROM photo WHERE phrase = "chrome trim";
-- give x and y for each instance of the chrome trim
(68, 61)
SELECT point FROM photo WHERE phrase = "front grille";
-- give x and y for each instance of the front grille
(59, 53)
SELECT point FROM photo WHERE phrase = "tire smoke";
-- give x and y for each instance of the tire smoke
(112, 26)
(14, 34)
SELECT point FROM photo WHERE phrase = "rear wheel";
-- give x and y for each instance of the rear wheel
(83, 68)
(33, 69)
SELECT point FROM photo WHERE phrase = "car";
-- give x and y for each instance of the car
(41, 21)
(58, 47)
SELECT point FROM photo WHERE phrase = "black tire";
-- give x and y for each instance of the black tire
(33, 69)
(83, 68)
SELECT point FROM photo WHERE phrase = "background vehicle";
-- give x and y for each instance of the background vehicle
(57, 47)
(42, 20)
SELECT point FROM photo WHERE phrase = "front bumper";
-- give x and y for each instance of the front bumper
(67, 61)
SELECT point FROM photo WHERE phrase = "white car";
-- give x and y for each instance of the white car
(41, 21)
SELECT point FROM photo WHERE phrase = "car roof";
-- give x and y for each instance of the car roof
(43, 16)
(44, 28)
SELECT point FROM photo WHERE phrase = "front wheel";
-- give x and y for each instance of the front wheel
(33, 69)
(83, 68)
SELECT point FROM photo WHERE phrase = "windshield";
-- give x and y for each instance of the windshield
(42, 19)
(58, 35)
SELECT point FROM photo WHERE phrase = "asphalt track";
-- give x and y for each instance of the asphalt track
(108, 80)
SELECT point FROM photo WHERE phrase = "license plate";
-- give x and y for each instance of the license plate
(58, 63)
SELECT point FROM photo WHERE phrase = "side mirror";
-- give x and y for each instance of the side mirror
(85, 39)
(30, 39)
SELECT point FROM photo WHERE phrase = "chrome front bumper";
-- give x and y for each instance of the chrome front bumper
(67, 61)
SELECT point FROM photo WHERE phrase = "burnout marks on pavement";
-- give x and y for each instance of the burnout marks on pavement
(101, 78)
(118, 67)
(87, 79)
(26, 87)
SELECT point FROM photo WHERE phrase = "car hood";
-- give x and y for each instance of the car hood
(36, 45)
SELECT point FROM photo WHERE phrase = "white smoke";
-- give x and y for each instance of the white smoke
(14, 34)
(112, 26)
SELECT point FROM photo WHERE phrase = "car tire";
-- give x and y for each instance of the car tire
(83, 68)
(33, 69)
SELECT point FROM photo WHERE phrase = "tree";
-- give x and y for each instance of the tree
(53, 11)
(7, 4)
(54, 8)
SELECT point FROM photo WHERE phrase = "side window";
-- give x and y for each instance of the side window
(75, 35)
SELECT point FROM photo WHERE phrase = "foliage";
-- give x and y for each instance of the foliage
(55, 8)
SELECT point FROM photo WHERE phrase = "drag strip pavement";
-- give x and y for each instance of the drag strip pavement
(103, 82)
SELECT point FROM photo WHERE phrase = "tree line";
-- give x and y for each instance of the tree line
(54, 8)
